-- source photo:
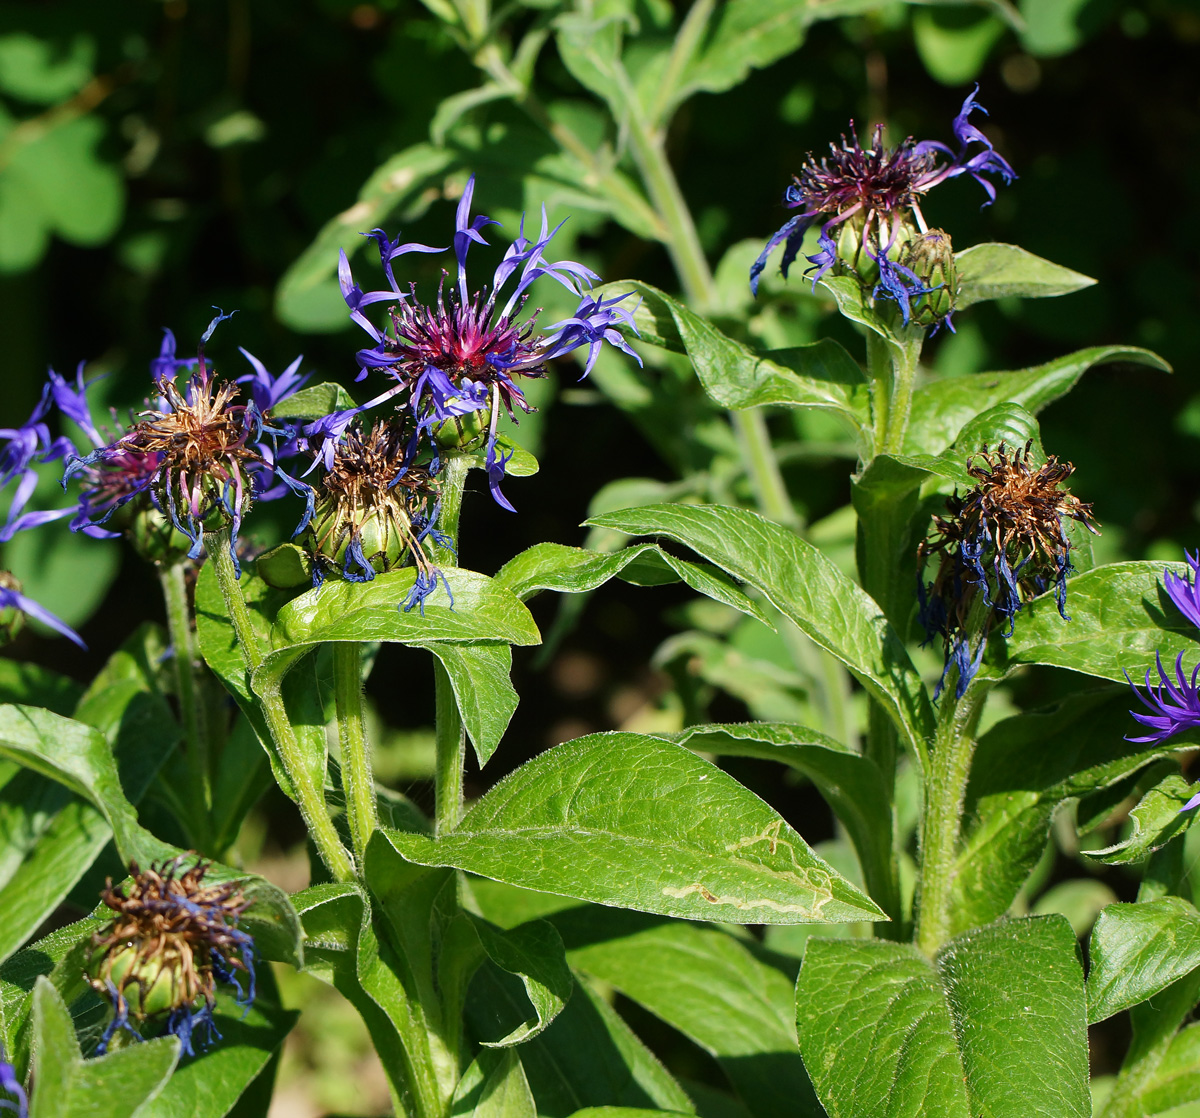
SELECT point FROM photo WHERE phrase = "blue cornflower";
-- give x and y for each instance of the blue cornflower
(11, 1086)
(172, 940)
(877, 190)
(1004, 541)
(31, 443)
(1176, 704)
(1185, 591)
(269, 391)
(465, 353)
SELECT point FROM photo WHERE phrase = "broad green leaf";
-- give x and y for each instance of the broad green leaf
(1024, 767)
(1156, 820)
(809, 589)
(534, 953)
(588, 1057)
(994, 1025)
(575, 570)
(635, 822)
(995, 271)
(822, 375)
(1139, 949)
(42, 70)
(37, 686)
(954, 44)
(479, 675)
(850, 783)
(727, 995)
(941, 408)
(494, 1086)
(313, 402)
(117, 1085)
(308, 297)
(1120, 617)
(371, 611)
(1176, 1080)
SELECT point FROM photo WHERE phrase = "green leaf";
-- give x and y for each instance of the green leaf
(1024, 767)
(534, 953)
(995, 271)
(494, 1086)
(1139, 949)
(1176, 1080)
(41, 70)
(727, 995)
(822, 375)
(575, 570)
(621, 1112)
(308, 298)
(941, 408)
(479, 676)
(808, 588)
(37, 686)
(313, 402)
(995, 1024)
(1120, 617)
(954, 44)
(636, 822)
(118, 1085)
(850, 783)
(1156, 820)
(588, 1057)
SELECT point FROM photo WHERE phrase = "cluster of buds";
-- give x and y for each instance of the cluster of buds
(1002, 542)
(172, 939)
(868, 204)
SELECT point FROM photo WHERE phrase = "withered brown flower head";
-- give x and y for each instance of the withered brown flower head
(1005, 538)
(377, 511)
(171, 940)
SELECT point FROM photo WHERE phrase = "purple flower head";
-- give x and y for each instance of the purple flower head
(878, 188)
(1185, 591)
(466, 352)
(1175, 704)
(31, 442)
(72, 402)
(11, 598)
(268, 391)
(18, 1101)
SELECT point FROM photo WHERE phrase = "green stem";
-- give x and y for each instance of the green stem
(449, 734)
(892, 369)
(759, 456)
(358, 781)
(945, 792)
(309, 797)
(179, 625)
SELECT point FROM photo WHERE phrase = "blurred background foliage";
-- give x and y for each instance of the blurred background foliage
(163, 156)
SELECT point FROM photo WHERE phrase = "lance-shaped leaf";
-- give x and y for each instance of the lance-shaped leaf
(943, 407)
(996, 271)
(80, 758)
(730, 997)
(576, 570)
(636, 822)
(120, 1084)
(806, 586)
(1176, 1080)
(822, 375)
(494, 1086)
(1139, 949)
(1120, 617)
(1157, 819)
(1024, 767)
(479, 676)
(995, 1025)
(850, 783)
(371, 611)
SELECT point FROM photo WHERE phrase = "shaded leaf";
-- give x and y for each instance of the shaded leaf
(494, 1086)
(479, 676)
(1156, 820)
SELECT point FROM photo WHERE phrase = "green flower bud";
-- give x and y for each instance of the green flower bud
(931, 257)
(154, 537)
(463, 432)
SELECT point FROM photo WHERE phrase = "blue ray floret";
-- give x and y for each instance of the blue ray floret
(17, 1101)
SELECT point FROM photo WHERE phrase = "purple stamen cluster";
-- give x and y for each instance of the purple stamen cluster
(879, 190)
(1174, 703)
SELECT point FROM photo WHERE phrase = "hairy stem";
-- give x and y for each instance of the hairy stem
(450, 736)
(310, 797)
(358, 781)
(770, 493)
(191, 709)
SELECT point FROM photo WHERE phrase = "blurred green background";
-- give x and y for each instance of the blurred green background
(159, 157)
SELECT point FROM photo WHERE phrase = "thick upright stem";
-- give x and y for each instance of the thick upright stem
(892, 369)
(309, 797)
(450, 736)
(759, 456)
(945, 792)
(191, 709)
(358, 781)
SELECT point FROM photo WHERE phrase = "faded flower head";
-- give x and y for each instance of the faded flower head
(868, 201)
(1003, 540)
(376, 511)
(466, 354)
(171, 940)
